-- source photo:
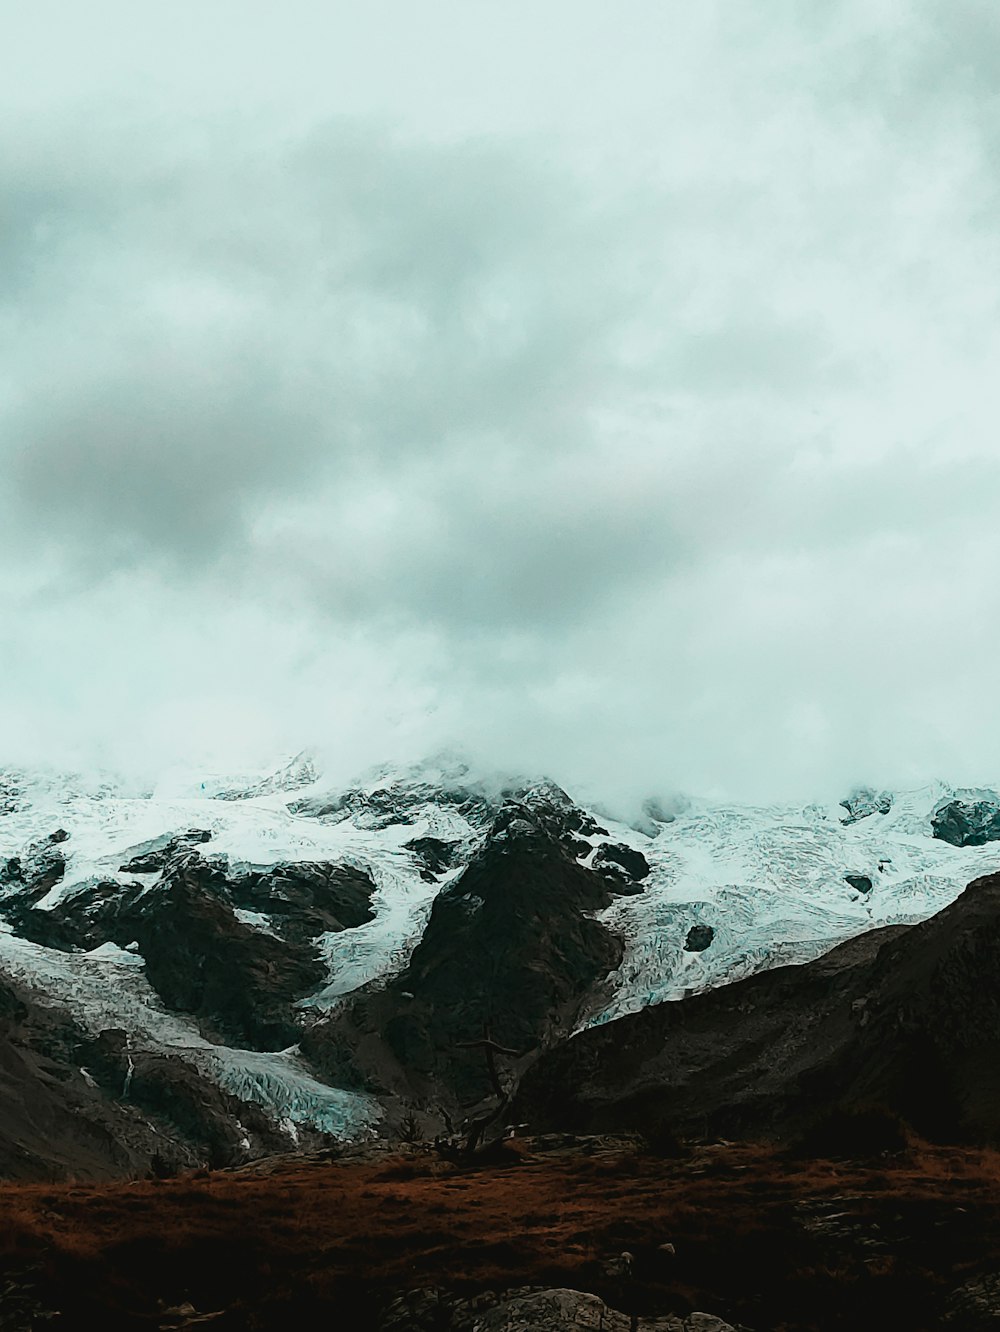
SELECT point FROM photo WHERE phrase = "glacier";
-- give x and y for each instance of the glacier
(768, 879)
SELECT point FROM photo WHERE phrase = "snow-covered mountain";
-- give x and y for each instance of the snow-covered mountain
(217, 921)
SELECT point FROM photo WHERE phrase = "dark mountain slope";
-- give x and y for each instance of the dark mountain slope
(510, 947)
(75, 1105)
(904, 1018)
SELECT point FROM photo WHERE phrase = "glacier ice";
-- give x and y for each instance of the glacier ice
(768, 880)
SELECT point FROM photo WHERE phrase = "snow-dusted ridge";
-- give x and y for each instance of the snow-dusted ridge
(769, 880)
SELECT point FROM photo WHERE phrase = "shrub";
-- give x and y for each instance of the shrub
(409, 1128)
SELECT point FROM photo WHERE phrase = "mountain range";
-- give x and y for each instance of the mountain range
(219, 969)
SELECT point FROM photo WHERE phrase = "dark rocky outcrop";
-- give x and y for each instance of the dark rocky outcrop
(861, 883)
(38, 869)
(403, 803)
(303, 899)
(396, 803)
(625, 867)
(699, 937)
(201, 959)
(240, 981)
(510, 947)
(864, 802)
(155, 856)
(436, 856)
(904, 1017)
(967, 823)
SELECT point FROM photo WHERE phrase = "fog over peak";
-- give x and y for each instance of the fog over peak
(605, 394)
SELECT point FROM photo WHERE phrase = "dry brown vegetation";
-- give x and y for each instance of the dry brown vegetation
(762, 1238)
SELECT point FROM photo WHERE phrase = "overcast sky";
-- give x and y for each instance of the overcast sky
(610, 389)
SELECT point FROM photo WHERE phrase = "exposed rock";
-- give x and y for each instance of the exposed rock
(306, 898)
(861, 883)
(529, 1309)
(699, 937)
(402, 803)
(201, 959)
(396, 803)
(435, 854)
(200, 956)
(975, 1306)
(864, 802)
(38, 869)
(511, 945)
(548, 805)
(154, 857)
(971, 823)
(621, 861)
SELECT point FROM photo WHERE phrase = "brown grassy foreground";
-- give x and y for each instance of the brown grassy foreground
(760, 1238)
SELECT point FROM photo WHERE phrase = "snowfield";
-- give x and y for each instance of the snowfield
(770, 881)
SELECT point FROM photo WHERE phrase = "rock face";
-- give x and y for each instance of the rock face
(699, 937)
(530, 1310)
(436, 855)
(864, 802)
(970, 823)
(154, 859)
(38, 869)
(396, 803)
(510, 948)
(904, 1017)
(305, 899)
(73, 1104)
(201, 959)
(625, 867)
(239, 977)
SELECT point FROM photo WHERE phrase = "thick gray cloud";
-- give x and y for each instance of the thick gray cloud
(608, 393)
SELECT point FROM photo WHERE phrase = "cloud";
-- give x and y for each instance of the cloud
(638, 426)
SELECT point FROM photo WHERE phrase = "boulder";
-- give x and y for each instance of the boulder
(530, 1309)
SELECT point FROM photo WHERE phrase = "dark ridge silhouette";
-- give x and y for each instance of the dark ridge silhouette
(903, 1018)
